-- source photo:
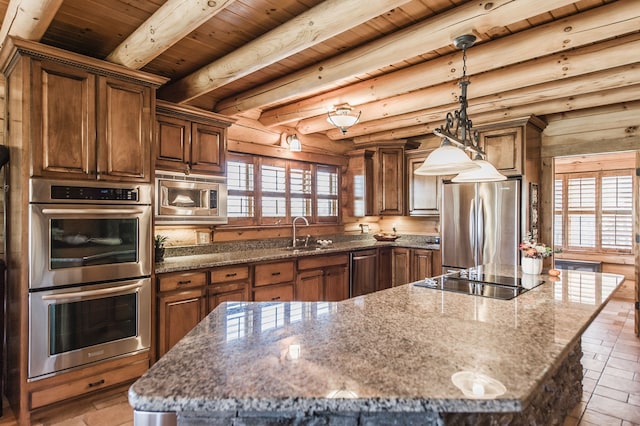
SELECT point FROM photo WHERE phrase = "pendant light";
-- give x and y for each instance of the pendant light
(294, 143)
(342, 118)
(459, 137)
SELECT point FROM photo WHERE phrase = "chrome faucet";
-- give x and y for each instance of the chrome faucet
(294, 227)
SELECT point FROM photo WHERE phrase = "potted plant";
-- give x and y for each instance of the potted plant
(158, 245)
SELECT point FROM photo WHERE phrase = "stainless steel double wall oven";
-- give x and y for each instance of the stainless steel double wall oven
(89, 273)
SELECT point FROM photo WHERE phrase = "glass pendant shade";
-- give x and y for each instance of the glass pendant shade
(342, 118)
(446, 160)
(485, 173)
(294, 143)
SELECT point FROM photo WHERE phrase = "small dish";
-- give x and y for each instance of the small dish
(386, 237)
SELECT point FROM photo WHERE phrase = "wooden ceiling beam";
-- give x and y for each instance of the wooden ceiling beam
(423, 37)
(608, 21)
(28, 19)
(173, 21)
(308, 29)
(585, 60)
(569, 102)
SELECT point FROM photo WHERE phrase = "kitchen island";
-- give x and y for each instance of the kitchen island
(406, 355)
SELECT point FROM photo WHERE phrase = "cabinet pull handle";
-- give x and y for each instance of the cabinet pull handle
(231, 275)
(275, 298)
(184, 282)
(98, 383)
(275, 273)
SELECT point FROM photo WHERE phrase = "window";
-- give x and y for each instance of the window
(594, 211)
(264, 191)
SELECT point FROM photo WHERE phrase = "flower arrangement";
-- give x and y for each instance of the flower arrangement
(534, 250)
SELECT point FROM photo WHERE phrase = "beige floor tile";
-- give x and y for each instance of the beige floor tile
(613, 408)
(594, 418)
(608, 392)
(618, 383)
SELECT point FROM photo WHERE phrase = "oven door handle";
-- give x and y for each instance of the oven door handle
(93, 212)
(91, 293)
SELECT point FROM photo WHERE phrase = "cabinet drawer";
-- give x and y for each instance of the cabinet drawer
(232, 273)
(227, 287)
(181, 281)
(73, 388)
(283, 293)
(274, 273)
(315, 262)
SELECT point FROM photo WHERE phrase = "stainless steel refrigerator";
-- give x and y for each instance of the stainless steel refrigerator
(480, 223)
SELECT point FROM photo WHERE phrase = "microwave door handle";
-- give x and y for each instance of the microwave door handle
(92, 293)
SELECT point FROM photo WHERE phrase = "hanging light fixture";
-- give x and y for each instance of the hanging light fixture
(459, 136)
(342, 118)
(294, 143)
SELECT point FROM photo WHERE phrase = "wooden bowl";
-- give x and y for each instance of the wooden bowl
(386, 237)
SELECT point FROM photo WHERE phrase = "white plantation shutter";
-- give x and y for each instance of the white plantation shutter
(327, 193)
(581, 207)
(273, 181)
(596, 209)
(617, 212)
(241, 199)
(301, 188)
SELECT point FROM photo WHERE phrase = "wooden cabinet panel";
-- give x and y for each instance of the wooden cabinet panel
(401, 262)
(125, 117)
(336, 283)
(309, 286)
(64, 145)
(436, 263)
(504, 148)
(228, 292)
(390, 164)
(320, 261)
(424, 191)
(385, 272)
(283, 293)
(172, 143)
(420, 264)
(364, 272)
(274, 273)
(178, 313)
(230, 273)
(181, 280)
(207, 148)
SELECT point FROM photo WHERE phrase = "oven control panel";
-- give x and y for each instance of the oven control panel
(64, 192)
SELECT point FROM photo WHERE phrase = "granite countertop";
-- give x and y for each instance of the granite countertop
(195, 261)
(394, 350)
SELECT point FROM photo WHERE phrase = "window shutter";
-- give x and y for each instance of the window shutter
(617, 212)
(581, 206)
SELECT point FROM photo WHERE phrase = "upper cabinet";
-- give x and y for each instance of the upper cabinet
(190, 140)
(87, 119)
(377, 180)
(513, 147)
(423, 191)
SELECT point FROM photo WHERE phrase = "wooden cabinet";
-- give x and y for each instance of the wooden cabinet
(322, 278)
(389, 169)
(423, 191)
(274, 281)
(411, 264)
(102, 132)
(228, 284)
(513, 147)
(181, 306)
(385, 271)
(364, 272)
(189, 139)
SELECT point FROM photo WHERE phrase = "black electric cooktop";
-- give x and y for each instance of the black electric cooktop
(485, 285)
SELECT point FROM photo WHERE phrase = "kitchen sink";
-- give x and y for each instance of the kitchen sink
(494, 290)
(303, 248)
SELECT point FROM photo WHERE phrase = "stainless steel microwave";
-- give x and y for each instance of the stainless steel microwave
(190, 200)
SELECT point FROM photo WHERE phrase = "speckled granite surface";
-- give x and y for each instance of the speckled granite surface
(395, 350)
(258, 253)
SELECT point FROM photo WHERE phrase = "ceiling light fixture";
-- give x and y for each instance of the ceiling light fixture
(294, 143)
(342, 118)
(459, 136)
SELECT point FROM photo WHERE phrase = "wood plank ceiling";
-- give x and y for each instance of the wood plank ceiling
(287, 62)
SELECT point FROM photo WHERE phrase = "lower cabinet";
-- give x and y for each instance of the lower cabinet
(385, 271)
(322, 278)
(364, 272)
(178, 313)
(274, 281)
(281, 292)
(409, 265)
(228, 284)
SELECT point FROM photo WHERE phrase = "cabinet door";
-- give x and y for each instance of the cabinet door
(391, 181)
(63, 115)
(424, 191)
(385, 270)
(178, 313)
(207, 148)
(420, 264)
(173, 141)
(282, 293)
(504, 149)
(309, 286)
(400, 261)
(336, 283)
(436, 263)
(124, 129)
(364, 272)
(238, 292)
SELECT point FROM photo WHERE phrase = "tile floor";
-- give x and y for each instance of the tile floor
(611, 379)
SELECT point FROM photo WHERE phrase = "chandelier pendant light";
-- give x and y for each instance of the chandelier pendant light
(459, 136)
(342, 118)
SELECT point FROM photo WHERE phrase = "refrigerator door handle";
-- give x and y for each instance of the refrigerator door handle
(480, 227)
(472, 231)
